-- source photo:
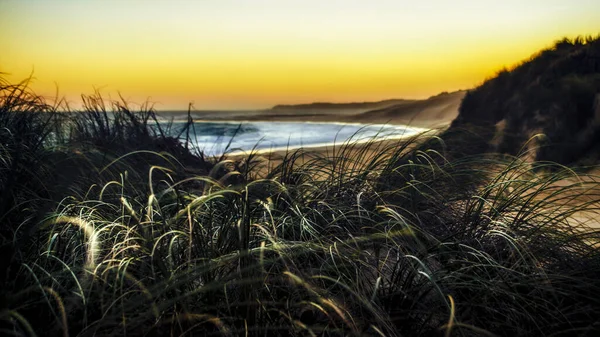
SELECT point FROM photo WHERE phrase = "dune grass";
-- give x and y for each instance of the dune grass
(114, 228)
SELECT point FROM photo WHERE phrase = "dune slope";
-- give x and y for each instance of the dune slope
(435, 111)
(555, 93)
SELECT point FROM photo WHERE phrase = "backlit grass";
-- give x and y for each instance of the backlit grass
(111, 228)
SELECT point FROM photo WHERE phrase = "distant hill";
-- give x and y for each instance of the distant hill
(435, 111)
(556, 92)
(340, 106)
(438, 110)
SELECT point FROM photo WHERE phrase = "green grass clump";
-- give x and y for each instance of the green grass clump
(383, 239)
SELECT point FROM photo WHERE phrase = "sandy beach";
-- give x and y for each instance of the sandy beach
(435, 113)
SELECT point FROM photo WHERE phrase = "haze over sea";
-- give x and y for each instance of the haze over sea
(215, 137)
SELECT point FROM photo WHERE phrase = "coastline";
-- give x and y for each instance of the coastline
(434, 114)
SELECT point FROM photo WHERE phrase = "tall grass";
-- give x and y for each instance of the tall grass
(384, 239)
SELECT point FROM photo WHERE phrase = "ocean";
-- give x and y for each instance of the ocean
(217, 137)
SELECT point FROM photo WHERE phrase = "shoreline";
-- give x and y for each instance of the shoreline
(269, 159)
(354, 140)
(433, 113)
(322, 147)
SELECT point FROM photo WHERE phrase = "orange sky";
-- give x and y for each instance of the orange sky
(254, 54)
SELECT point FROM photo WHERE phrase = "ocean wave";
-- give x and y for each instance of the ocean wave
(216, 138)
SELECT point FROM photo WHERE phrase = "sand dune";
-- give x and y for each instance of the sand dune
(436, 111)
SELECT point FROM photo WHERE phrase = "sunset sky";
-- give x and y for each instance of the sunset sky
(253, 54)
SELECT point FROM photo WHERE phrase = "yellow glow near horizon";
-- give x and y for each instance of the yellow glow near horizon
(254, 54)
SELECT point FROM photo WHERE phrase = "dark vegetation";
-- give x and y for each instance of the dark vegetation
(112, 224)
(555, 93)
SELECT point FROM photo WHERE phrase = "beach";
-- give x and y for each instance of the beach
(323, 128)
(427, 116)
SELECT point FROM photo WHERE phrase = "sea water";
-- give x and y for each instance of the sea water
(217, 137)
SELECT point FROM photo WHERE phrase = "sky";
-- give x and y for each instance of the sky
(253, 54)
